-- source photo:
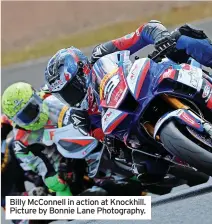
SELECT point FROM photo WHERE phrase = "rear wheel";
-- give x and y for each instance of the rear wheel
(183, 147)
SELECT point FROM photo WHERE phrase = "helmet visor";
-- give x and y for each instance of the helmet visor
(30, 113)
(73, 92)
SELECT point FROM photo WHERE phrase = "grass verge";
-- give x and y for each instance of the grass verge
(174, 16)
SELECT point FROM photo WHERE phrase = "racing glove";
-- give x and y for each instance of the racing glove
(159, 34)
(58, 185)
(34, 178)
(166, 43)
(80, 120)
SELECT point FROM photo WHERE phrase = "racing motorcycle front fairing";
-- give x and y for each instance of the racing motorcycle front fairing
(120, 96)
(126, 90)
(135, 97)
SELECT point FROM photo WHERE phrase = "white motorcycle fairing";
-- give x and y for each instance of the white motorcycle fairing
(70, 142)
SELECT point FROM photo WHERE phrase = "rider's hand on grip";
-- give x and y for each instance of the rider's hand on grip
(164, 44)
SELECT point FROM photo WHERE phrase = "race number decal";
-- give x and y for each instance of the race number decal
(110, 86)
(113, 89)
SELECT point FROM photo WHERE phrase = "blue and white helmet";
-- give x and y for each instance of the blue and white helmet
(65, 75)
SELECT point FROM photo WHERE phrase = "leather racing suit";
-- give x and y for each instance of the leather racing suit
(45, 161)
(190, 42)
(13, 182)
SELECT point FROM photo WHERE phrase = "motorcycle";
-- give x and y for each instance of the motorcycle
(154, 107)
(171, 111)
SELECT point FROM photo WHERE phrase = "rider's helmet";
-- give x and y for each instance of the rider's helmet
(66, 75)
(22, 105)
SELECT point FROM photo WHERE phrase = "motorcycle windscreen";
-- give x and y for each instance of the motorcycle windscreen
(71, 143)
(109, 78)
(109, 63)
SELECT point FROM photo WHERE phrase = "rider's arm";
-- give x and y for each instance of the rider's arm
(195, 43)
(146, 34)
(199, 49)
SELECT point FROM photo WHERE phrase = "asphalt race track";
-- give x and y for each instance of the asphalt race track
(190, 205)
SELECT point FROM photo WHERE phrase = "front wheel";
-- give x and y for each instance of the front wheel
(179, 145)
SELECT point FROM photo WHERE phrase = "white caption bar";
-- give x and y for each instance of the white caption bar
(78, 207)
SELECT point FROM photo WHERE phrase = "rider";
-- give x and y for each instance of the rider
(190, 42)
(31, 112)
(44, 161)
(13, 183)
(68, 71)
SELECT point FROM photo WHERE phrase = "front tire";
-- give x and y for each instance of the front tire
(178, 144)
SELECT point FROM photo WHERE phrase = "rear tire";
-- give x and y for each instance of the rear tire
(181, 146)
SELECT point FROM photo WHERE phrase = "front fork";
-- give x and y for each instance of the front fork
(175, 103)
(182, 113)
